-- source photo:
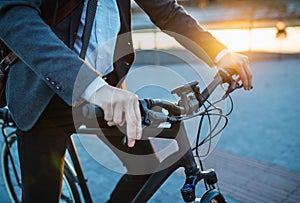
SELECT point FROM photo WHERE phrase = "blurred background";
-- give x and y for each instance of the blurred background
(266, 26)
(257, 157)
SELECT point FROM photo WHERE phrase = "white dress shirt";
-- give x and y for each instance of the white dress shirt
(102, 42)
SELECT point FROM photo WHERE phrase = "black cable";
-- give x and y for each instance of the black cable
(210, 130)
(231, 106)
(210, 136)
(222, 98)
(215, 127)
(198, 137)
(221, 116)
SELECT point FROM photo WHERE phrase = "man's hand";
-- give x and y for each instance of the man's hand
(120, 106)
(240, 64)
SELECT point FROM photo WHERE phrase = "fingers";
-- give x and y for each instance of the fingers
(240, 63)
(243, 75)
(133, 121)
(118, 116)
(249, 76)
(244, 72)
(108, 112)
(139, 119)
(121, 106)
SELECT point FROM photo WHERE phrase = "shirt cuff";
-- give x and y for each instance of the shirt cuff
(220, 55)
(92, 88)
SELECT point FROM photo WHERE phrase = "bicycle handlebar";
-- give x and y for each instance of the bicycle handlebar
(191, 99)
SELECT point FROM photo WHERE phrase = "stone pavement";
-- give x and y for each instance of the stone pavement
(248, 180)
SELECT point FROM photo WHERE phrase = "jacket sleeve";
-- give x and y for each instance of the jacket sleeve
(24, 31)
(175, 21)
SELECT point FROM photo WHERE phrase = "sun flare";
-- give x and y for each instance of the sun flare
(237, 40)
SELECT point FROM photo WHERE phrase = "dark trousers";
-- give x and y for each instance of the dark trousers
(42, 151)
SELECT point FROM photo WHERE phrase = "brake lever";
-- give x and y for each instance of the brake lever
(226, 75)
(232, 86)
(146, 121)
(150, 116)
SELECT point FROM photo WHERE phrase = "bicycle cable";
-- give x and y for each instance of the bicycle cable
(212, 128)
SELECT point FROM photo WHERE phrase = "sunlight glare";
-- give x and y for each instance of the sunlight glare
(237, 40)
(234, 39)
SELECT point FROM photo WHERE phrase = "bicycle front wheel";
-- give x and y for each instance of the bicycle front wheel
(211, 196)
(12, 175)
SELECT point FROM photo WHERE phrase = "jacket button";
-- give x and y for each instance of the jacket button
(58, 87)
(47, 78)
(53, 83)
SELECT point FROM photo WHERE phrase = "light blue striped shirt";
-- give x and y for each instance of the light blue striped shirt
(102, 43)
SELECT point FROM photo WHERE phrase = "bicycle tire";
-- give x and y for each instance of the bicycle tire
(212, 196)
(11, 178)
(220, 199)
(70, 179)
(13, 188)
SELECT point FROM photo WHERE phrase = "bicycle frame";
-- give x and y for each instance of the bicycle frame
(77, 170)
(184, 158)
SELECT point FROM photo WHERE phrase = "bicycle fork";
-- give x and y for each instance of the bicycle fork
(194, 175)
(192, 178)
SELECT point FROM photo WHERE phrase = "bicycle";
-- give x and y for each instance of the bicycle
(190, 101)
(10, 165)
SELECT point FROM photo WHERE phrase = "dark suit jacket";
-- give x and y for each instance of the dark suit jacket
(47, 65)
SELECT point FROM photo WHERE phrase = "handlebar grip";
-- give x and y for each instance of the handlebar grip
(171, 107)
(92, 111)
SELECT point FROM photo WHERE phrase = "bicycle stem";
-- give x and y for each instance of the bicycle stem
(204, 95)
